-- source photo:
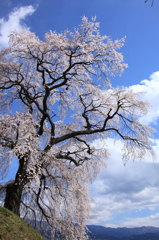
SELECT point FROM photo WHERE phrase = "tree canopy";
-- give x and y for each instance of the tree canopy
(56, 99)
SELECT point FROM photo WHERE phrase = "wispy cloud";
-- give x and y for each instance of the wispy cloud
(152, 220)
(150, 89)
(120, 189)
(14, 22)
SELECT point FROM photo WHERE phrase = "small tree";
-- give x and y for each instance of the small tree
(56, 99)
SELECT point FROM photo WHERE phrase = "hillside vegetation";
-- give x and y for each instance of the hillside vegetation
(14, 228)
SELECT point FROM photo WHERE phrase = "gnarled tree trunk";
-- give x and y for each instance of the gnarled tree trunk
(14, 190)
(13, 198)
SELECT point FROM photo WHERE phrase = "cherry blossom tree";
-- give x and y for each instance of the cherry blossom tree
(56, 99)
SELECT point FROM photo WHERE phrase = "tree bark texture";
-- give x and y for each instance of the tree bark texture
(14, 190)
(13, 198)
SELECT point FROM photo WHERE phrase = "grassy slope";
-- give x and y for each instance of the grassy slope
(14, 228)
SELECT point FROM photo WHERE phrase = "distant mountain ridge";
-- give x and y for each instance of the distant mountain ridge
(96, 232)
(122, 233)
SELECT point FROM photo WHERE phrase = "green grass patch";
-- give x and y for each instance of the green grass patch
(13, 227)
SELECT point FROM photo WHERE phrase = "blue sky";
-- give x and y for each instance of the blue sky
(124, 196)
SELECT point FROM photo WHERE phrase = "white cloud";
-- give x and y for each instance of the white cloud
(97, 215)
(13, 22)
(150, 89)
(120, 189)
(152, 220)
